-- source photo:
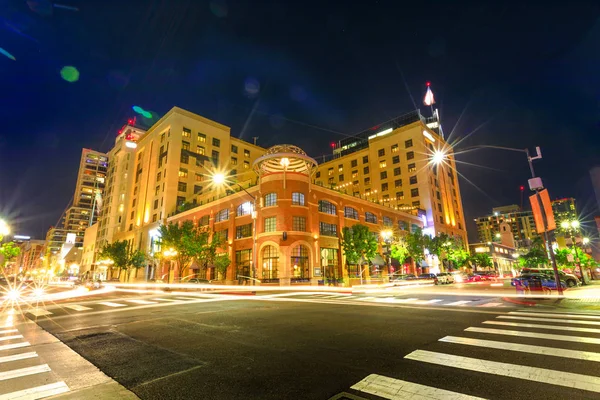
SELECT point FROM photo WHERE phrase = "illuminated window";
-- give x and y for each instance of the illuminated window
(330, 171)
(412, 167)
(270, 224)
(246, 153)
(298, 199)
(350, 212)
(185, 145)
(399, 195)
(246, 164)
(222, 215)
(367, 181)
(200, 150)
(370, 218)
(233, 161)
(270, 199)
(398, 183)
(354, 174)
(327, 207)
(299, 224)
(186, 133)
(340, 168)
(244, 209)
(300, 262)
(243, 231)
(183, 173)
(382, 164)
(199, 177)
(270, 263)
(395, 148)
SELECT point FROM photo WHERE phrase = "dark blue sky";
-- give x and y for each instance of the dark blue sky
(526, 75)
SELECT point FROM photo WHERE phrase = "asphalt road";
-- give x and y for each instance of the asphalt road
(284, 348)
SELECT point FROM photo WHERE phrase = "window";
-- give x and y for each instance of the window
(157, 190)
(331, 180)
(353, 163)
(383, 175)
(154, 218)
(185, 145)
(222, 215)
(365, 170)
(300, 263)
(201, 137)
(396, 160)
(270, 199)
(158, 176)
(220, 236)
(270, 224)
(408, 143)
(329, 262)
(200, 150)
(402, 225)
(246, 153)
(215, 157)
(183, 173)
(299, 224)
(382, 164)
(354, 174)
(437, 194)
(203, 221)
(414, 192)
(244, 209)
(395, 148)
(234, 149)
(330, 171)
(243, 231)
(350, 212)
(180, 201)
(199, 177)
(216, 142)
(242, 260)
(298, 199)
(413, 180)
(270, 263)
(410, 155)
(162, 137)
(187, 133)
(185, 158)
(233, 172)
(399, 195)
(398, 183)
(384, 187)
(396, 171)
(370, 218)
(197, 189)
(340, 168)
(318, 174)
(341, 178)
(326, 229)
(246, 164)
(387, 221)
(182, 186)
(327, 207)
(365, 159)
(155, 204)
(412, 167)
(439, 207)
(233, 161)
(367, 181)
(381, 152)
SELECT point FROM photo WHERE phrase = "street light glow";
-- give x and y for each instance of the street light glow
(575, 224)
(218, 178)
(586, 240)
(4, 228)
(438, 157)
(285, 162)
(386, 234)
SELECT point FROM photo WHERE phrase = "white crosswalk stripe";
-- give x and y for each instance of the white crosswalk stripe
(491, 305)
(16, 357)
(2, 338)
(161, 299)
(17, 373)
(458, 303)
(136, 301)
(38, 392)
(111, 304)
(14, 346)
(428, 301)
(505, 338)
(38, 312)
(77, 307)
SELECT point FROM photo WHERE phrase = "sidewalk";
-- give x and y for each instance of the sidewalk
(36, 365)
(583, 298)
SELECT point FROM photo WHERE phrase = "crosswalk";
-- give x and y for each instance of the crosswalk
(446, 302)
(23, 375)
(39, 311)
(505, 348)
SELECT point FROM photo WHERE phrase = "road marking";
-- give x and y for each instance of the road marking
(457, 303)
(39, 312)
(8, 331)
(551, 327)
(565, 321)
(365, 299)
(339, 296)
(37, 392)
(111, 304)
(396, 389)
(11, 337)
(187, 298)
(141, 301)
(491, 305)
(17, 373)
(14, 346)
(428, 301)
(555, 315)
(161, 299)
(559, 378)
(17, 357)
(525, 348)
(77, 307)
(406, 300)
(577, 339)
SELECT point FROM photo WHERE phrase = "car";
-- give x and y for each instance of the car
(198, 281)
(402, 277)
(459, 277)
(569, 279)
(446, 277)
(429, 276)
(474, 278)
(539, 280)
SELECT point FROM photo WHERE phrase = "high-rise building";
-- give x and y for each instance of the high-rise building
(565, 213)
(404, 164)
(521, 224)
(31, 253)
(168, 173)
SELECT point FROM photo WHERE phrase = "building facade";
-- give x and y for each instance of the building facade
(504, 258)
(293, 235)
(404, 164)
(521, 223)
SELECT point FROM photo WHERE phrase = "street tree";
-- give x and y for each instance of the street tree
(481, 260)
(8, 252)
(416, 243)
(190, 242)
(359, 245)
(399, 251)
(222, 262)
(118, 252)
(536, 255)
(135, 260)
(457, 255)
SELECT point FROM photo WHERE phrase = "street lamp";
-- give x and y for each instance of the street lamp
(219, 179)
(4, 229)
(386, 235)
(170, 252)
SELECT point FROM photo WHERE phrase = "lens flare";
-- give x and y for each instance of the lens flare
(69, 74)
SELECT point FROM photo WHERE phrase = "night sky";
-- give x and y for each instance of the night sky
(306, 73)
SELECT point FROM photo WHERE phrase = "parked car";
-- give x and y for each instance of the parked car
(429, 276)
(198, 281)
(445, 277)
(474, 278)
(569, 279)
(540, 280)
(402, 277)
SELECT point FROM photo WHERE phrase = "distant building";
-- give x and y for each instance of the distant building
(89, 251)
(31, 253)
(504, 258)
(521, 224)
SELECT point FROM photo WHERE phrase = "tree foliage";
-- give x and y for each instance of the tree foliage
(481, 260)
(536, 255)
(359, 244)
(9, 251)
(190, 242)
(222, 262)
(123, 257)
(416, 243)
(399, 251)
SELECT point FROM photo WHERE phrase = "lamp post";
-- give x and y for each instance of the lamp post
(219, 179)
(168, 254)
(539, 199)
(386, 235)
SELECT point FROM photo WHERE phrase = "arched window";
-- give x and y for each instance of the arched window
(222, 215)
(370, 217)
(297, 199)
(244, 209)
(387, 221)
(327, 207)
(270, 199)
(350, 212)
(270, 262)
(300, 262)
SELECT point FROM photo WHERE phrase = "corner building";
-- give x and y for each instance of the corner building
(294, 235)
(404, 164)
